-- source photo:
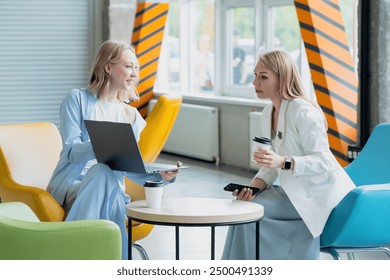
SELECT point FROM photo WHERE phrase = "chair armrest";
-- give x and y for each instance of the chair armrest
(76, 240)
(40, 201)
(360, 219)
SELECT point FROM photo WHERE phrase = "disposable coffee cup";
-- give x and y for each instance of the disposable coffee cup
(153, 193)
(260, 142)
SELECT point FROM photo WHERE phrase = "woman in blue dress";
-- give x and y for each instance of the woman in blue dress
(87, 189)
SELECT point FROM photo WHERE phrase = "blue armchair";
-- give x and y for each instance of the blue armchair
(361, 221)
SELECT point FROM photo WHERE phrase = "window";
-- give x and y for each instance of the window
(210, 46)
(241, 47)
(239, 56)
(201, 31)
(169, 77)
(187, 61)
(349, 9)
(285, 35)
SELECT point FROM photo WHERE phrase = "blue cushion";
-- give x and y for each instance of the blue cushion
(361, 219)
(371, 166)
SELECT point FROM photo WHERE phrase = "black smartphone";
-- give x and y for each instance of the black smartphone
(232, 187)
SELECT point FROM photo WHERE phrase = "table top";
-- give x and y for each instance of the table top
(194, 210)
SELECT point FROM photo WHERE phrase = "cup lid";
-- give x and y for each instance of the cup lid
(154, 183)
(263, 140)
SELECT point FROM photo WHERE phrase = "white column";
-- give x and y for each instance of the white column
(121, 15)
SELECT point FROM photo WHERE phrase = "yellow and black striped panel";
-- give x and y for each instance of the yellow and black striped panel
(332, 70)
(147, 37)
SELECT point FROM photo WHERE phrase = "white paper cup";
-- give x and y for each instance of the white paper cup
(260, 142)
(153, 193)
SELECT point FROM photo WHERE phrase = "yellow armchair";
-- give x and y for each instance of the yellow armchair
(159, 124)
(28, 155)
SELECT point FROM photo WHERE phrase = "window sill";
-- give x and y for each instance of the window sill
(222, 100)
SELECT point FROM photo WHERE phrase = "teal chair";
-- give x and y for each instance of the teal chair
(24, 237)
(361, 221)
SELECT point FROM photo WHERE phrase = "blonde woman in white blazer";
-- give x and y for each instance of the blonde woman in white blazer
(312, 182)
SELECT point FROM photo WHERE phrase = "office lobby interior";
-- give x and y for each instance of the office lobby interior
(196, 93)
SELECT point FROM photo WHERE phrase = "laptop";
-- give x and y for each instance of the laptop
(114, 144)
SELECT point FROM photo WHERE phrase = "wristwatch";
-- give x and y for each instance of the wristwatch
(286, 164)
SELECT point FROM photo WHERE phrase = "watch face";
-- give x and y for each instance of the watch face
(287, 165)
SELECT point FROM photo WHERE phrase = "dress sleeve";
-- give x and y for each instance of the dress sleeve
(72, 136)
(268, 175)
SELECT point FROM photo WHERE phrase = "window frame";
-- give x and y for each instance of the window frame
(184, 49)
(223, 31)
(225, 89)
(304, 70)
(268, 5)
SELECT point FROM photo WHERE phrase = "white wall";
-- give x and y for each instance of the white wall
(234, 129)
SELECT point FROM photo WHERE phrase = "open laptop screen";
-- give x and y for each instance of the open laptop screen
(114, 144)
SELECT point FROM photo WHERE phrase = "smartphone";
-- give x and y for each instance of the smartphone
(232, 187)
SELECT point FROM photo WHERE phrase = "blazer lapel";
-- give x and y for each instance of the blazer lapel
(266, 122)
(281, 133)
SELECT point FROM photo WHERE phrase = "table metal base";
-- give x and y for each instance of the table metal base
(177, 236)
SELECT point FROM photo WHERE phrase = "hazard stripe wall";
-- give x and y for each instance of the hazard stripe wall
(332, 70)
(147, 37)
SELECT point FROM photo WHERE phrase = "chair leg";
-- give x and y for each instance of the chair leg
(334, 252)
(351, 256)
(331, 251)
(141, 251)
(386, 251)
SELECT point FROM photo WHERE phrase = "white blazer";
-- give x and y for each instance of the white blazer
(318, 182)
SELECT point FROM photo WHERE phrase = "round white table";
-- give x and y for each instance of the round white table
(196, 212)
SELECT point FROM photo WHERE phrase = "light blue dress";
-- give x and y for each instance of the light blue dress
(86, 189)
(283, 233)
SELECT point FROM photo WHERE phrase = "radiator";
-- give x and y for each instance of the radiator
(195, 133)
(254, 130)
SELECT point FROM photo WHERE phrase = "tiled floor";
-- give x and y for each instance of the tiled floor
(202, 179)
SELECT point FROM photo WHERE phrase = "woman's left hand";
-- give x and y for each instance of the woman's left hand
(268, 158)
(168, 176)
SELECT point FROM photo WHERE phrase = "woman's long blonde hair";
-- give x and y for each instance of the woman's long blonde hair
(110, 52)
(291, 85)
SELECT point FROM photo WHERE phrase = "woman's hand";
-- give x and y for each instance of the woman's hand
(245, 194)
(268, 158)
(168, 176)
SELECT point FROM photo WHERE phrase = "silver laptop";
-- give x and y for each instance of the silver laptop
(114, 144)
